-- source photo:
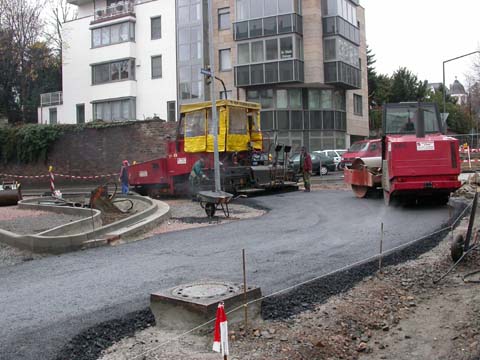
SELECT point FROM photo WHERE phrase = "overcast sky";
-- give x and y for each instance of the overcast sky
(421, 34)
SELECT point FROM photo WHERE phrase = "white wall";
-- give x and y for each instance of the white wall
(151, 94)
(76, 69)
(44, 114)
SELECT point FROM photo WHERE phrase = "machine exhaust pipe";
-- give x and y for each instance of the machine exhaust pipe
(420, 129)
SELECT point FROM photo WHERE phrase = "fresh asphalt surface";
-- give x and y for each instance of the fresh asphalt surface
(46, 302)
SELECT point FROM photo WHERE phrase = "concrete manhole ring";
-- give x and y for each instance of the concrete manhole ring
(205, 290)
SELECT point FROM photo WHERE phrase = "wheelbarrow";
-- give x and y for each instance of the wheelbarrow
(212, 201)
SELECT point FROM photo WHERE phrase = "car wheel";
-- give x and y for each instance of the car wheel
(341, 166)
(324, 170)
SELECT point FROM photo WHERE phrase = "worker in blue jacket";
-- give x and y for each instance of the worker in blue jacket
(197, 175)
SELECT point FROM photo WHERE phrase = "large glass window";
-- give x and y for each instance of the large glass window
(285, 6)
(270, 26)
(156, 27)
(257, 51)
(286, 48)
(271, 72)
(224, 18)
(113, 34)
(114, 110)
(271, 49)
(284, 23)
(282, 99)
(255, 27)
(256, 9)
(266, 98)
(243, 75)
(114, 71)
(256, 74)
(243, 53)
(270, 7)
(266, 120)
(295, 98)
(313, 99)
(282, 120)
(225, 59)
(241, 30)
(242, 9)
(326, 99)
(329, 49)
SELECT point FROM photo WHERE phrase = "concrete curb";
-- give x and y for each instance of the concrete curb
(125, 229)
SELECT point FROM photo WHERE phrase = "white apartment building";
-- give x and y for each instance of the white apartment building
(119, 62)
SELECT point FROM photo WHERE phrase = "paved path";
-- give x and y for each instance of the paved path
(46, 302)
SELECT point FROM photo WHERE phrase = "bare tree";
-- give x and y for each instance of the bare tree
(61, 12)
(21, 21)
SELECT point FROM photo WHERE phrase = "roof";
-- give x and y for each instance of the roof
(457, 88)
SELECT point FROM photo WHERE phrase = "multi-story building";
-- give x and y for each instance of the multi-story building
(119, 63)
(303, 60)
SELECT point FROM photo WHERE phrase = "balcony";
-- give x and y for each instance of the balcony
(343, 75)
(50, 99)
(114, 11)
(269, 73)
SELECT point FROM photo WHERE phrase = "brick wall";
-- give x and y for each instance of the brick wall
(99, 151)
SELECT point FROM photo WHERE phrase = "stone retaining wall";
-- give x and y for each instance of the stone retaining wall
(98, 151)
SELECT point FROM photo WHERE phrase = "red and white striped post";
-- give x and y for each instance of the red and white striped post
(52, 179)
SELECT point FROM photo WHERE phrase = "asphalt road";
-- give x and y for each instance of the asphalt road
(45, 302)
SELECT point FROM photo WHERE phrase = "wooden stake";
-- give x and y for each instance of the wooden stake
(245, 289)
(381, 249)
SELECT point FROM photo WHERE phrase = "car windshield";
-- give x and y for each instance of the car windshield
(360, 146)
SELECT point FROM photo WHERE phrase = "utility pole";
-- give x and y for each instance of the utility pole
(216, 157)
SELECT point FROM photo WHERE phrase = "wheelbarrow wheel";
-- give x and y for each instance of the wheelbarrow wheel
(456, 250)
(210, 209)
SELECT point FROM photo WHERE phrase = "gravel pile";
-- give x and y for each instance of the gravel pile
(24, 221)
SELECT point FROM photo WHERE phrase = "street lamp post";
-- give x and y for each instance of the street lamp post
(446, 61)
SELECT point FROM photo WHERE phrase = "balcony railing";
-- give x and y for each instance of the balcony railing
(118, 9)
(53, 98)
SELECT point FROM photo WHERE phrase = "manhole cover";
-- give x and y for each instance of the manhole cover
(206, 290)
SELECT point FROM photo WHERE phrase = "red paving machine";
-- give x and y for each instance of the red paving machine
(245, 166)
(417, 161)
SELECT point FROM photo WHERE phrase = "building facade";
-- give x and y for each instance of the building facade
(303, 60)
(119, 63)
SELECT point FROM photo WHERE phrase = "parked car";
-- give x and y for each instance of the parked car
(361, 149)
(321, 164)
(336, 154)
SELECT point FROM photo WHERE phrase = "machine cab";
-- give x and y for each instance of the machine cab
(411, 118)
(238, 127)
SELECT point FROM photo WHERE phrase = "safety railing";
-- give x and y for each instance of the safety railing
(114, 10)
(53, 98)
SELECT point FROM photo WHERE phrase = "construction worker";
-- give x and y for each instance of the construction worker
(123, 178)
(305, 167)
(197, 176)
